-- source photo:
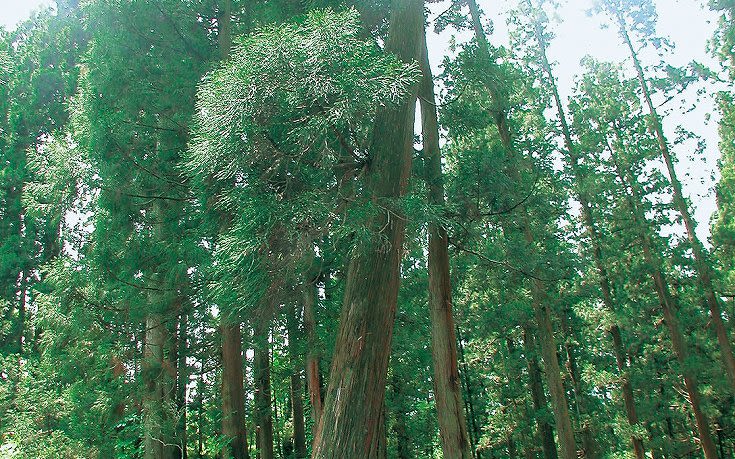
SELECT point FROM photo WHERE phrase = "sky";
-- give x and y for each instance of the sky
(686, 22)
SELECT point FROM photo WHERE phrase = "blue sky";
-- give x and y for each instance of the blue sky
(686, 22)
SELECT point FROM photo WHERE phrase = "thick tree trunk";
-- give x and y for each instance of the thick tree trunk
(447, 389)
(573, 159)
(669, 307)
(701, 262)
(355, 396)
(313, 356)
(233, 394)
(538, 396)
(297, 401)
(233, 391)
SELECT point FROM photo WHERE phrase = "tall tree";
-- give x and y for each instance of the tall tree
(447, 389)
(574, 163)
(641, 16)
(355, 395)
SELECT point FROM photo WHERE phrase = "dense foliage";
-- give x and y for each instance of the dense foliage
(263, 228)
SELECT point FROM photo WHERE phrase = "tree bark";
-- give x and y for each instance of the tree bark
(297, 401)
(263, 407)
(589, 446)
(313, 355)
(447, 389)
(355, 396)
(399, 424)
(233, 393)
(538, 396)
(182, 377)
(156, 433)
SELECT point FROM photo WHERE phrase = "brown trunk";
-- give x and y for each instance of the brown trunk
(553, 372)
(538, 396)
(263, 407)
(180, 378)
(200, 413)
(701, 262)
(156, 431)
(580, 397)
(447, 390)
(355, 396)
(233, 391)
(233, 394)
(669, 307)
(313, 377)
(474, 433)
(400, 431)
(297, 401)
(595, 240)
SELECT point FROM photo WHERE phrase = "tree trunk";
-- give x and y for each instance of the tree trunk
(233, 394)
(588, 442)
(313, 377)
(669, 307)
(355, 396)
(447, 389)
(182, 377)
(400, 431)
(263, 407)
(553, 372)
(156, 432)
(474, 433)
(538, 396)
(233, 391)
(297, 401)
(701, 262)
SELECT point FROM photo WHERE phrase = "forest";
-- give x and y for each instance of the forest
(272, 229)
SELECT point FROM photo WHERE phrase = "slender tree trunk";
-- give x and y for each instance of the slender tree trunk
(200, 413)
(538, 396)
(669, 307)
(313, 377)
(573, 160)
(588, 441)
(263, 405)
(355, 396)
(474, 433)
(179, 351)
(400, 430)
(155, 438)
(297, 401)
(447, 389)
(701, 262)
(553, 372)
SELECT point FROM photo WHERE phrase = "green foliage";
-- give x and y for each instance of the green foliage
(151, 192)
